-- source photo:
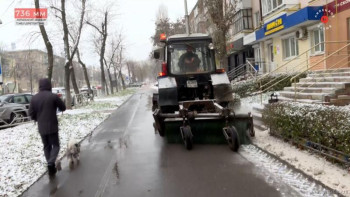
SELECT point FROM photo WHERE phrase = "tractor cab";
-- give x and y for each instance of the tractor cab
(188, 70)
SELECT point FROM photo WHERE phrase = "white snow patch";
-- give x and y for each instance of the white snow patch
(315, 166)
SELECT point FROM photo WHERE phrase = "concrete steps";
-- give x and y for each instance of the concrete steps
(337, 85)
(322, 87)
(326, 79)
(257, 117)
(311, 89)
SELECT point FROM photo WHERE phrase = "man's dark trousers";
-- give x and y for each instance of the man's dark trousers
(51, 147)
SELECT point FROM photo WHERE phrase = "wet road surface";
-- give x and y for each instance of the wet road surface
(124, 157)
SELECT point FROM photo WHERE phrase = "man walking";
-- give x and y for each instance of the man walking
(42, 109)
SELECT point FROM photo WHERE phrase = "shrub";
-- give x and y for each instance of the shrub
(248, 87)
(326, 125)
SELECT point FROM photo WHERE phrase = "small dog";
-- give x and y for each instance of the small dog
(73, 152)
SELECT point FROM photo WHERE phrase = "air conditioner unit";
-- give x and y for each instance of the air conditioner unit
(301, 34)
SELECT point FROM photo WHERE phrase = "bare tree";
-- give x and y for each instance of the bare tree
(115, 45)
(47, 44)
(86, 76)
(221, 14)
(69, 49)
(103, 38)
(120, 65)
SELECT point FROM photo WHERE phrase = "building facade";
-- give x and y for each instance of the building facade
(238, 53)
(284, 35)
(288, 32)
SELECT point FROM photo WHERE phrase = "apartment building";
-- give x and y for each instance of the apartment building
(199, 19)
(289, 31)
(242, 26)
(22, 70)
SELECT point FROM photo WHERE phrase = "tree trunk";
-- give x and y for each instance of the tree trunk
(67, 86)
(47, 44)
(223, 59)
(74, 80)
(103, 49)
(86, 75)
(106, 86)
(68, 58)
(122, 79)
(115, 78)
(110, 80)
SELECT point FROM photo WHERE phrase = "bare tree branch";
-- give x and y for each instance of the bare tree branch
(94, 26)
(57, 9)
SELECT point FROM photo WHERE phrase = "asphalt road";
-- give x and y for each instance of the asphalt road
(124, 157)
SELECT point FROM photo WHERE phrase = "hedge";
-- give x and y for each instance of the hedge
(326, 125)
(248, 87)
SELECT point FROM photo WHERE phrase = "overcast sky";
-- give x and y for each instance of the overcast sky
(134, 18)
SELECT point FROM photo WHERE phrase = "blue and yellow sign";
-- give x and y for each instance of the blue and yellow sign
(275, 25)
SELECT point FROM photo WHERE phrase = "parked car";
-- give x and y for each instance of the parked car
(61, 92)
(10, 111)
(89, 94)
(132, 85)
(23, 99)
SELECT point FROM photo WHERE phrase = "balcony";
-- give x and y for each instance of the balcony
(270, 6)
(243, 21)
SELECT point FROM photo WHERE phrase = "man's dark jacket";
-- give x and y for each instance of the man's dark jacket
(43, 108)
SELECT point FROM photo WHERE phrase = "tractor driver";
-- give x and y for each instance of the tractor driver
(189, 61)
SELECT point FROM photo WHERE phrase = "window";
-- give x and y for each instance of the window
(190, 58)
(270, 5)
(257, 19)
(242, 20)
(19, 100)
(290, 47)
(317, 40)
(29, 98)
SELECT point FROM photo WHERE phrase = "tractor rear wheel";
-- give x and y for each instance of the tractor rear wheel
(233, 142)
(187, 137)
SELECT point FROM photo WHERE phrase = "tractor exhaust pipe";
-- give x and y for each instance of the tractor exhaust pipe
(187, 19)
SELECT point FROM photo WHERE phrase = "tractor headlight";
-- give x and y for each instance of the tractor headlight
(211, 46)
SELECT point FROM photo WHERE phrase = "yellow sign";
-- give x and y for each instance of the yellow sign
(274, 26)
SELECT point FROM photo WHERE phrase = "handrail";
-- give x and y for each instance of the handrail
(306, 60)
(309, 68)
(237, 71)
(321, 61)
(294, 58)
(291, 60)
(321, 74)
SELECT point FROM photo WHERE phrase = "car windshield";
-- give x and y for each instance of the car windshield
(191, 58)
(3, 98)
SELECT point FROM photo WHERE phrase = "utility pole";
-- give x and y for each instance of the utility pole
(187, 19)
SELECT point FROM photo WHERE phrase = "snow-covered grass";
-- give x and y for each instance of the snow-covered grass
(315, 166)
(21, 150)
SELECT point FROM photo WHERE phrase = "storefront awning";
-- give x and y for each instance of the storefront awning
(281, 23)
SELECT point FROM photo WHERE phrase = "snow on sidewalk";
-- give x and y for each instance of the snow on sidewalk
(313, 165)
(21, 151)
